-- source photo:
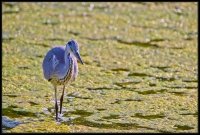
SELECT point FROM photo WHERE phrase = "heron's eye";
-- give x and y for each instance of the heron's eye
(71, 48)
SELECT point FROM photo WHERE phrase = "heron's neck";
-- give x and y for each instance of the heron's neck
(67, 53)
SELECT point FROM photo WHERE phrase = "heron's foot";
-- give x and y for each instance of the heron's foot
(64, 119)
(59, 118)
(60, 115)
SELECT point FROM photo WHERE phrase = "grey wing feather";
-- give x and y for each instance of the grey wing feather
(48, 65)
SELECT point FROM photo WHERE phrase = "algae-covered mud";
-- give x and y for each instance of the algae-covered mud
(140, 71)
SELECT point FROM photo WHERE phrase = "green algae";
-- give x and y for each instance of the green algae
(184, 127)
(41, 127)
(139, 115)
(17, 113)
(140, 72)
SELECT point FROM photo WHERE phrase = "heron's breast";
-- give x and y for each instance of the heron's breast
(68, 77)
(69, 74)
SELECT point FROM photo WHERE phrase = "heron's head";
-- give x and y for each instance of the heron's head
(74, 49)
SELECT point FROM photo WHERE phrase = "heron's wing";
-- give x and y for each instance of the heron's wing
(53, 58)
(48, 65)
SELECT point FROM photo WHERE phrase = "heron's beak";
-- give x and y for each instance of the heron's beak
(79, 57)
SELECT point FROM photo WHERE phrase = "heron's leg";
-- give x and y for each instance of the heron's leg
(61, 99)
(56, 105)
